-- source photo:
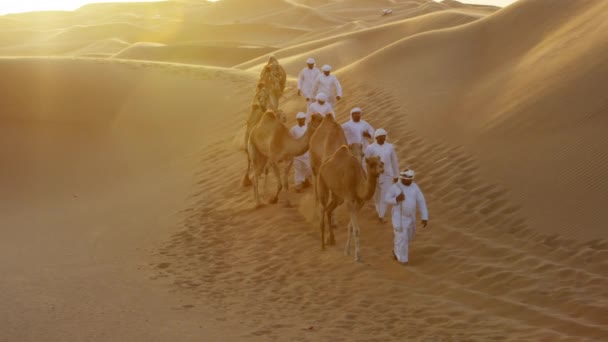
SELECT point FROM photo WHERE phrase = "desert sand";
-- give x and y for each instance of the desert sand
(123, 217)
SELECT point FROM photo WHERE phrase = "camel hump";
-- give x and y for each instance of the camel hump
(342, 152)
(270, 114)
(329, 117)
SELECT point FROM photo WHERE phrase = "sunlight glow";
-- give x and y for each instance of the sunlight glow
(18, 6)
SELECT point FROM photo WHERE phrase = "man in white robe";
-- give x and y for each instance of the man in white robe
(306, 81)
(357, 130)
(329, 85)
(301, 164)
(387, 154)
(321, 106)
(405, 197)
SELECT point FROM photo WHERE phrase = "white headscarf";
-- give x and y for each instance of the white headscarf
(407, 174)
(380, 132)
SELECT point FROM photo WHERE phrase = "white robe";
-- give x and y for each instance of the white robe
(322, 109)
(354, 132)
(301, 164)
(306, 82)
(385, 180)
(404, 216)
(330, 86)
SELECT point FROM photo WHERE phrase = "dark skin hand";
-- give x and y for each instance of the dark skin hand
(395, 180)
(338, 97)
(424, 223)
(400, 198)
(367, 135)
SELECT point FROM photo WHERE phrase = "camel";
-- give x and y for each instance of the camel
(268, 92)
(342, 178)
(326, 140)
(262, 101)
(269, 143)
(274, 76)
(265, 97)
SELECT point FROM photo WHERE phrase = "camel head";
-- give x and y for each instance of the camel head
(356, 149)
(375, 166)
(272, 60)
(315, 121)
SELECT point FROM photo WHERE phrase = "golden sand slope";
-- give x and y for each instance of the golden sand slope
(500, 88)
(96, 158)
(220, 54)
(116, 171)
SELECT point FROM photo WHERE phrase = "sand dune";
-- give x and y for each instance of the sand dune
(77, 135)
(123, 216)
(506, 95)
(106, 46)
(360, 43)
(193, 53)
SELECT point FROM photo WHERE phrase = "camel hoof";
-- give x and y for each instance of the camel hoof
(331, 242)
(245, 182)
(273, 200)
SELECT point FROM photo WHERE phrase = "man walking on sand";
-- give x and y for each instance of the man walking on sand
(321, 106)
(387, 154)
(306, 80)
(301, 164)
(328, 85)
(357, 130)
(405, 196)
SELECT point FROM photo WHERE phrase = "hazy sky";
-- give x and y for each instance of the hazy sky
(14, 6)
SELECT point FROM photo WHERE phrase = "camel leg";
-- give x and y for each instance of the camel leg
(356, 230)
(333, 204)
(323, 195)
(288, 165)
(246, 181)
(315, 196)
(347, 245)
(259, 163)
(265, 187)
(277, 174)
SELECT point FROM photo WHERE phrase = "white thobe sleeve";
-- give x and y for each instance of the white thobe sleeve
(315, 87)
(394, 163)
(301, 80)
(346, 130)
(421, 203)
(370, 129)
(292, 132)
(338, 86)
(391, 195)
(368, 151)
